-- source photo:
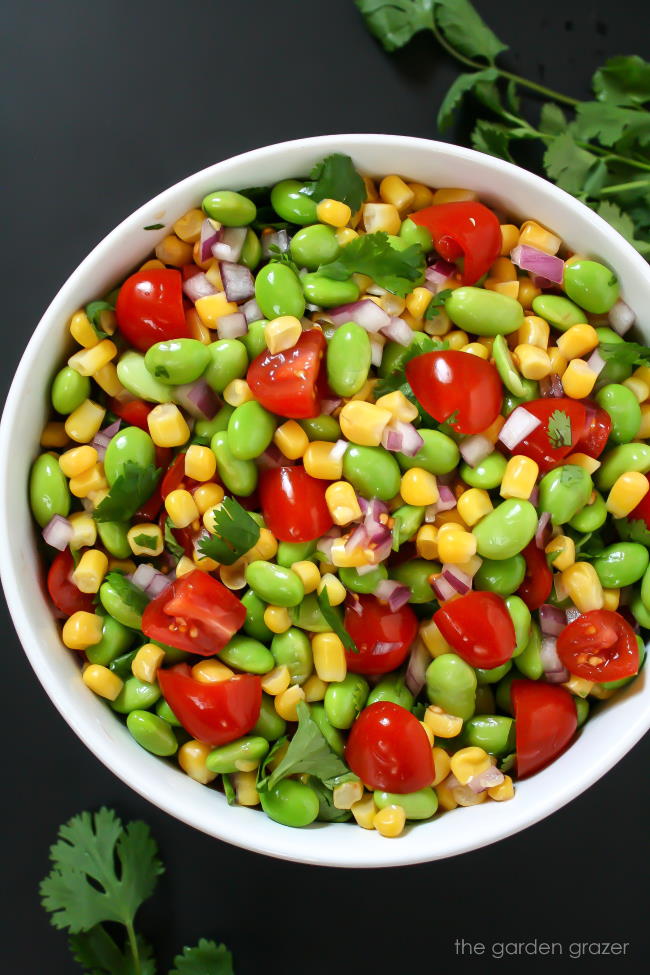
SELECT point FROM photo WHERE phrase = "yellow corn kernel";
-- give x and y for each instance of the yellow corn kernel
(419, 487)
(329, 657)
(192, 757)
(602, 693)
(433, 639)
(237, 392)
(465, 797)
(266, 546)
(277, 619)
(393, 189)
(213, 307)
(519, 477)
(213, 274)
(640, 389)
(508, 288)
(558, 362)
(90, 571)
(443, 725)
(589, 464)
(82, 331)
(102, 681)
(456, 340)
(472, 565)
(344, 235)
(583, 586)
(76, 461)
(246, 788)
(627, 491)
(196, 328)
(579, 686)
(503, 270)
(455, 545)
(286, 702)
(364, 423)
(473, 505)
(125, 566)
(282, 333)
(611, 599)
(533, 362)
(336, 591)
(211, 671)
(577, 341)
(422, 196)
(468, 762)
(167, 426)
(108, 380)
(291, 439)
(343, 559)
(82, 630)
(418, 301)
(509, 238)
(207, 497)
(147, 661)
(452, 194)
(534, 331)
(89, 481)
(380, 216)
(643, 373)
(364, 811)
(505, 790)
(446, 799)
(153, 265)
(342, 503)
(204, 562)
(346, 794)
(308, 574)
(181, 508)
(318, 461)
(88, 361)
(234, 576)
(184, 567)
(534, 235)
(84, 422)
(390, 821)
(200, 463)
(314, 689)
(439, 325)
(145, 538)
(172, 250)
(477, 349)
(54, 435)
(527, 293)
(276, 681)
(428, 732)
(84, 530)
(451, 517)
(366, 393)
(441, 764)
(188, 227)
(564, 550)
(333, 212)
(426, 542)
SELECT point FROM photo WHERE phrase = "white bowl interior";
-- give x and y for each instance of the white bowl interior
(610, 733)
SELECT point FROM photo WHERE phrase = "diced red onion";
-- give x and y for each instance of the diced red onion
(446, 498)
(279, 239)
(209, 237)
(396, 594)
(58, 532)
(488, 779)
(596, 362)
(199, 399)
(398, 331)
(572, 613)
(374, 507)
(251, 311)
(402, 437)
(551, 619)
(232, 326)
(339, 448)
(458, 580)
(327, 406)
(363, 570)
(158, 584)
(621, 317)
(365, 313)
(430, 513)
(230, 244)
(143, 575)
(416, 671)
(542, 529)
(358, 539)
(476, 448)
(198, 286)
(437, 275)
(272, 457)
(519, 425)
(112, 429)
(538, 262)
(238, 282)
(383, 548)
(554, 670)
(376, 353)
(551, 386)
(534, 496)
(443, 589)
(324, 545)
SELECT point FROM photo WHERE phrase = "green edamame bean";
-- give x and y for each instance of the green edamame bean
(130, 444)
(313, 246)
(391, 688)
(269, 724)
(49, 494)
(247, 654)
(293, 650)
(136, 695)
(529, 661)
(615, 371)
(177, 361)
(507, 530)
(521, 620)
(582, 710)
(129, 611)
(333, 736)
(345, 699)
(116, 639)
(564, 491)
(621, 564)
(69, 390)
(238, 476)
(411, 233)
(228, 758)
(558, 311)
(328, 293)
(502, 694)
(624, 411)
(487, 474)
(366, 583)
(204, 430)
(255, 339)
(439, 454)
(591, 285)
(122, 666)
(494, 674)
(348, 359)
(503, 576)
(278, 291)
(291, 204)
(307, 615)
(422, 804)
(251, 252)
(290, 552)
(250, 430)
(484, 312)
(275, 584)
(451, 685)
(640, 613)
(254, 624)
(645, 589)
(322, 428)
(113, 535)
(372, 471)
(132, 372)
(614, 685)
(229, 208)
(290, 803)
(619, 460)
(590, 518)
(494, 733)
(485, 703)
(509, 374)
(227, 360)
(152, 732)
(164, 711)
(415, 574)
(408, 519)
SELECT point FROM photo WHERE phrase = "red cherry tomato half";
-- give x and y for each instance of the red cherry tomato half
(465, 229)
(642, 510)
(175, 477)
(383, 636)
(63, 592)
(293, 504)
(195, 613)
(538, 581)
(598, 426)
(548, 446)
(389, 750)
(600, 646)
(134, 412)
(286, 383)
(149, 308)
(213, 713)
(545, 721)
(479, 628)
(455, 385)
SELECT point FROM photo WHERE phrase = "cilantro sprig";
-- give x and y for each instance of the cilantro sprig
(172, 546)
(625, 353)
(334, 621)
(559, 429)
(131, 488)
(373, 254)
(235, 532)
(335, 178)
(436, 304)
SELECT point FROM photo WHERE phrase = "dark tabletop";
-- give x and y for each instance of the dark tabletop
(106, 103)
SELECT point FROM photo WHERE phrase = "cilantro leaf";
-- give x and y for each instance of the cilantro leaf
(282, 257)
(132, 595)
(574, 169)
(171, 544)
(132, 488)
(229, 789)
(465, 30)
(624, 223)
(626, 353)
(463, 84)
(308, 751)
(235, 533)
(610, 123)
(394, 22)
(93, 313)
(552, 119)
(335, 178)
(145, 541)
(154, 226)
(206, 958)
(327, 811)
(623, 80)
(493, 139)
(373, 254)
(559, 429)
(97, 952)
(436, 303)
(334, 621)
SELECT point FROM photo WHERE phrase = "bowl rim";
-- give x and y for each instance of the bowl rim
(284, 842)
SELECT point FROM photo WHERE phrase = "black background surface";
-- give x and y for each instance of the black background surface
(105, 104)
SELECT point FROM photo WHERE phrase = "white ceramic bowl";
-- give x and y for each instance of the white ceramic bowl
(613, 730)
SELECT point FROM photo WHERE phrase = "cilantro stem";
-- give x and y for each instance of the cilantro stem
(622, 187)
(133, 945)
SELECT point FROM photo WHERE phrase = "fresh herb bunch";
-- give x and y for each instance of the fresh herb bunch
(101, 873)
(600, 153)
